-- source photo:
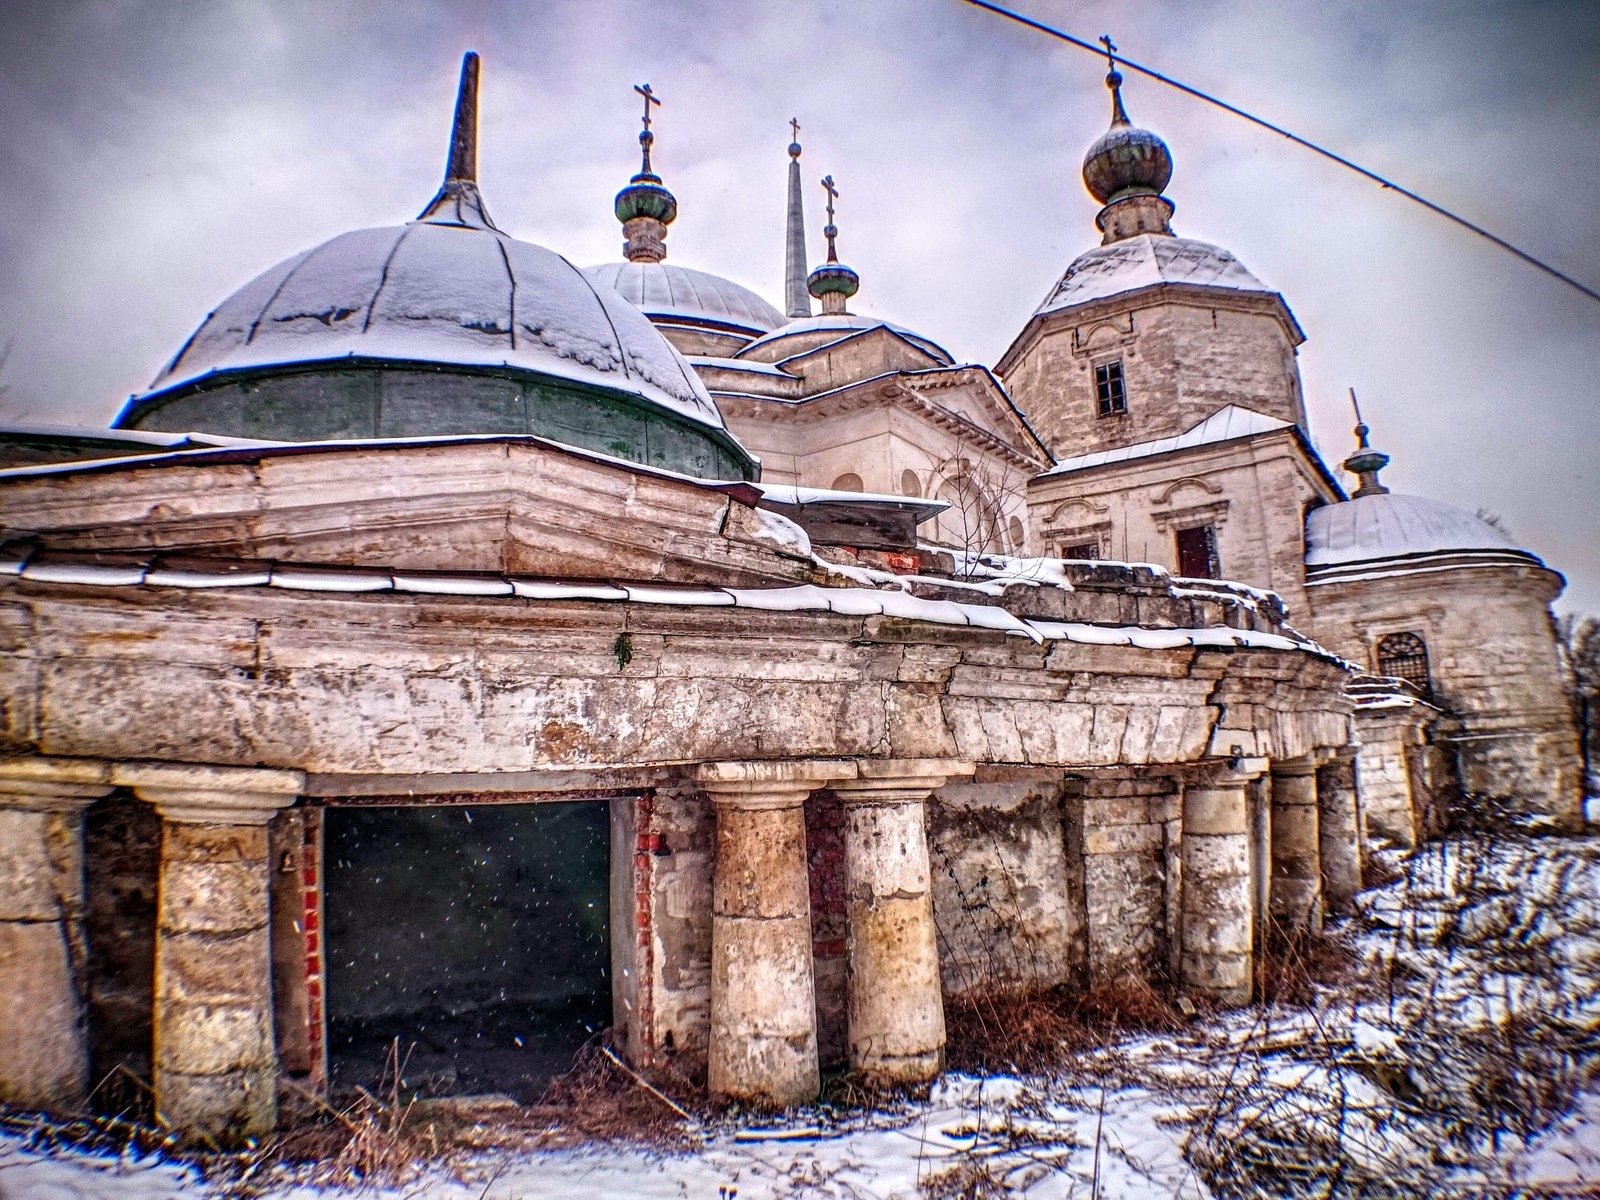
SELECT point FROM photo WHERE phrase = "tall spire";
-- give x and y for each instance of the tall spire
(645, 207)
(796, 301)
(1365, 462)
(458, 201)
(833, 283)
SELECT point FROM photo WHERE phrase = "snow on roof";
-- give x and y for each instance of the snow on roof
(1372, 528)
(845, 601)
(668, 290)
(784, 493)
(1224, 425)
(749, 365)
(436, 293)
(1144, 261)
(847, 325)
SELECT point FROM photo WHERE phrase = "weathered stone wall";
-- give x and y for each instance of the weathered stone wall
(1495, 670)
(1253, 492)
(825, 850)
(1185, 354)
(1130, 831)
(1006, 904)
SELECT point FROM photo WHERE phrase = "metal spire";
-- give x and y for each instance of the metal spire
(1365, 462)
(797, 301)
(458, 201)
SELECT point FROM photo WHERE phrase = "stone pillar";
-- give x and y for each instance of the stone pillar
(1339, 830)
(1296, 898)
(896, 1003)
(1216, 959)
(215, 1060)
(763, 996)
(44, 1050)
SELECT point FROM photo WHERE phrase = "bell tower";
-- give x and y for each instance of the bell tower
(1148, 334)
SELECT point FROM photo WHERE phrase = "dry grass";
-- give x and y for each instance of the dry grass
(1034, 1029)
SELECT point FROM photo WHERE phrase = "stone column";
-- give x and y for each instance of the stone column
(215, 1061)
(44, 1050)
(1296, 899)
(763, 996)
(1339, 830)
(1216, 959)
(896, 1003)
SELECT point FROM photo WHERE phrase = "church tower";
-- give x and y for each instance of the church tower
(1162, 375)
(1148, 333)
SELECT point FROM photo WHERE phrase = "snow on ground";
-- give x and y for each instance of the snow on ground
(1450, 1070)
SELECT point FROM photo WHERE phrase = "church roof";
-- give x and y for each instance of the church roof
(1224, 425)
(1143, 261)
(1389, 525)
(847, 325)
(660, 289)
(439, 293)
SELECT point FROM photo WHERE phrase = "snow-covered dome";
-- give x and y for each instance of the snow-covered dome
(438, 294)
(666, 291)
(1143, 261)
(442, 326)
(1389, 525)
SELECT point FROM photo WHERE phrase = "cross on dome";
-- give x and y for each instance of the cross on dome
(645, 207)
(833, 283)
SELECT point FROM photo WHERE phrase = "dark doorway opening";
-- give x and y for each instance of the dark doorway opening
(476, 936)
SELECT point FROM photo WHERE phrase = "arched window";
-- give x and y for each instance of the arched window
(1405, 656)
(848, 482)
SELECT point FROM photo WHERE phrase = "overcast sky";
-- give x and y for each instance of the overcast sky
(156, 156)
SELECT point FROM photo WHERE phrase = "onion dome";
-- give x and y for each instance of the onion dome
(645, 207)
(1127, 170)
(833, 283)
(444, 326)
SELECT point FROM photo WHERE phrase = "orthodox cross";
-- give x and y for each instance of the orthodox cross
(831, 231)
(646, 138)
(794, 129)
(1111, 50)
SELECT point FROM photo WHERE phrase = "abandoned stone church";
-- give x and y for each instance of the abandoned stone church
(458, 646)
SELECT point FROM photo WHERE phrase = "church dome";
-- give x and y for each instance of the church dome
(1389, 525)
(443, 326)
(665, 291)
(1127, 160)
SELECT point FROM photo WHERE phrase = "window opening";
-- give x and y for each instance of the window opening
(1110, 389)
(1405, 656)
(1197, 553)
(1081, 550)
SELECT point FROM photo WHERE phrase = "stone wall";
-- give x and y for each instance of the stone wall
(1185, 354)
(1495, 671)
(1007, 904)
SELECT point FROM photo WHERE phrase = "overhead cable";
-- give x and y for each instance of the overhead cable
(1389, 184)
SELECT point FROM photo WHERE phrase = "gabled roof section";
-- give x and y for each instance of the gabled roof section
(1224, 425)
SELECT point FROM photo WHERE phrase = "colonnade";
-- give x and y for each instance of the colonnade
(215, 1064)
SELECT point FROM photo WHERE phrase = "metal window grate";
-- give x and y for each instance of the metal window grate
(1405, 656)
(1110, 389)
(1086, 550)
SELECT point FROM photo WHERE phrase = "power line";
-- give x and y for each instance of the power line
(1391, 185)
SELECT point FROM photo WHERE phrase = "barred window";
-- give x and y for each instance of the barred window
(1110, 389)
(1088, 550)
(1405, 656)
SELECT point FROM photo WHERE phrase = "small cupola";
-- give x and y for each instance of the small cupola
(645, 207)
(833, 283)
(1127, 170)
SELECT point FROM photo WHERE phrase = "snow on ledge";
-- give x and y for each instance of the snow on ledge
(864, 601)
